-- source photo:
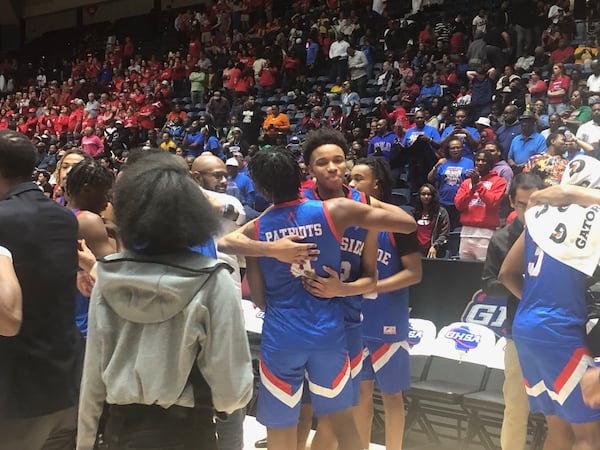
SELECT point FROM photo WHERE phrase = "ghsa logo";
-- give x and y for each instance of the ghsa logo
(414, 337)
(463, 338)
(487, 311)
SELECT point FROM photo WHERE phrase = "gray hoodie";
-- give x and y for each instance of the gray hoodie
(148, 319)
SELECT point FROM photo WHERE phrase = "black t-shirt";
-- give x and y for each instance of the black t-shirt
(406, 244)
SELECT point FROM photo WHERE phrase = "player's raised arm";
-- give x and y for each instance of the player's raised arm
(242, 242)
(345, 213)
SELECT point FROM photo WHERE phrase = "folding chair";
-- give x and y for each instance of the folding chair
(486, 408)
(457, 368)
(421, 337)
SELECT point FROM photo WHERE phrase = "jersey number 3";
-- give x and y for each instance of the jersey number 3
(535, 267)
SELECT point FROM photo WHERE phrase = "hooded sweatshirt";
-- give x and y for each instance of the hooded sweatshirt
(480, 209)
(151, 318)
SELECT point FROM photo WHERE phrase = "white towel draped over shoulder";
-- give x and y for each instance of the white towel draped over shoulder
(570, 234)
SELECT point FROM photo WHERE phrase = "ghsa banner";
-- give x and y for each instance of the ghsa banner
(488, 311)
(463, 338)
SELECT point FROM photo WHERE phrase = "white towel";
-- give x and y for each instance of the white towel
(570, 234)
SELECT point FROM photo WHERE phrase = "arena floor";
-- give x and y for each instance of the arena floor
(253, 431)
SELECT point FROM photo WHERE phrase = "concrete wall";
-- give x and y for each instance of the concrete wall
(33, 8)
(111, 11)
(37, 26)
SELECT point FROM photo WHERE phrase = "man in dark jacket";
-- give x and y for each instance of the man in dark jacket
(40, 369)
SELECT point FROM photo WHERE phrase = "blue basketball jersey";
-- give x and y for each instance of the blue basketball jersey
(553, 307)
(352, 246)
(82, 303)
(294, 319)
(385, 319)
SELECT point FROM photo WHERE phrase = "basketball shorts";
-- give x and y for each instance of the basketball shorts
(388, 364)
(282, 379)
(552, 374)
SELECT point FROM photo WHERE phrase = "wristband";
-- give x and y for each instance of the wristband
(5, 252)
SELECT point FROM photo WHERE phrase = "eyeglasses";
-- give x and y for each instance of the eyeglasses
(216, 175)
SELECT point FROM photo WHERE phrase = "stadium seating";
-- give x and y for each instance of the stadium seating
(458, 367)
(486, 408)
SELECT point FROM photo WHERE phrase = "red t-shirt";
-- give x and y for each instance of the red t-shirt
(244, 84)
(234, 76)
(561, 83)
(560, 55)
(194, 48)
(128, 49)
(62, 124)
(75, 117)
(267, 77)
(424, 230)
(147, 122)
(130, 121)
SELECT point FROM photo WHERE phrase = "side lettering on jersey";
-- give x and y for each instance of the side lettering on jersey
(383, 257)
(534, 268)
(351, 245)
(304, 231)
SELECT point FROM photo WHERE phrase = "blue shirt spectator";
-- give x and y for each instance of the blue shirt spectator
(212, 145)
(194, 142)
(524, 147)
(384, 143)
(311, 53)
(511, 128)
(412, 134)
(238, 184)
(468, 149)
(449, 176)
(429, 90)
(528, 143)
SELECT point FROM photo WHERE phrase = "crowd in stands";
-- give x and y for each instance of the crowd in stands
(461, 106)
(414, 88)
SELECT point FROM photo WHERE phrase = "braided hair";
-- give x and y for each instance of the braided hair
(382, 173)
(276, 173)
(89, 172)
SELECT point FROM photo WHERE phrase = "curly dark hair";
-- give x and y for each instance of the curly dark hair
(159, 208)
(382, 173)
(276, 174)
(17, 156)
(322, 136)
(89, 172)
